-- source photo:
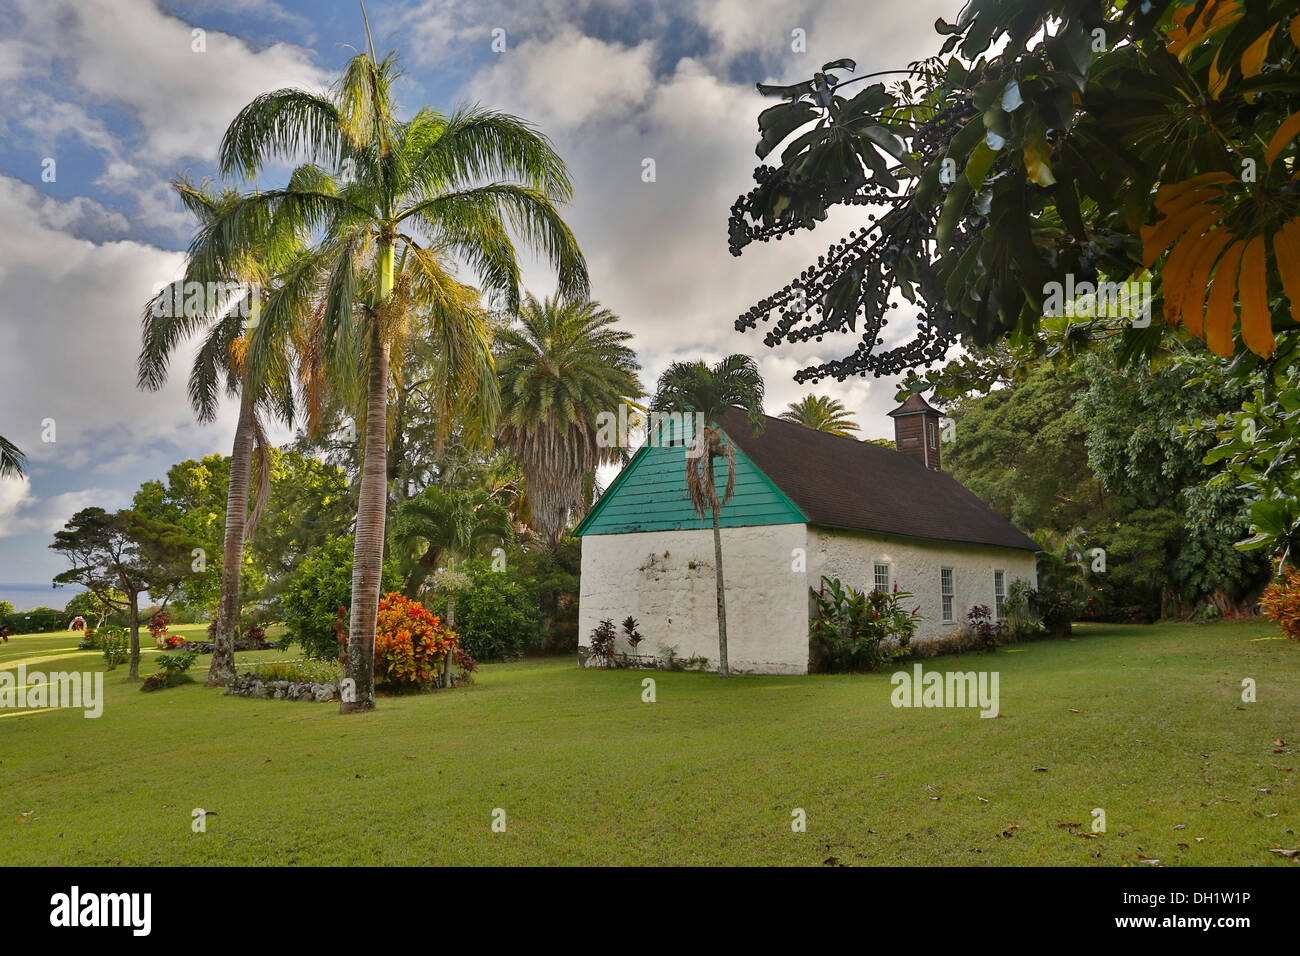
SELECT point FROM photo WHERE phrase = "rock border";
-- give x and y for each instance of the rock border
(247, 685)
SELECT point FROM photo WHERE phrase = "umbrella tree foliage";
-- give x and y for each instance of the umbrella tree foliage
(1051, 142)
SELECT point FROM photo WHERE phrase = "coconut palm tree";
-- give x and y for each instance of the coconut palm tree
(563, 364)
(823, 413)
(734, 382)
(390, 202)
(225, 315)
(11, 459)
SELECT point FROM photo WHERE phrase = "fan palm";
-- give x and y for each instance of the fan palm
(734, 382)
(225, 315)
(11, 459)
(390, 202)
(822, 413)
(563, 364)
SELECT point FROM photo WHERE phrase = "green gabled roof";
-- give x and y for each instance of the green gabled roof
(650, 494)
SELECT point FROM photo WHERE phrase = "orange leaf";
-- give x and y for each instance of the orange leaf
(1252, 289)
(1285, 133)
(1252, 61)
(1286, 250)
(1220, 315)
(1173, 277)
(1156, 239)
(1167, 194)
(1192, 301)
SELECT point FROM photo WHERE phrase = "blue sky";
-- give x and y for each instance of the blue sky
(116, 98)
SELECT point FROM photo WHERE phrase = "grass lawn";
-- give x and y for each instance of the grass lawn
(709, 774)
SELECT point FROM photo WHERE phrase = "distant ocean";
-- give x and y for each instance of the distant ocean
(25, 597)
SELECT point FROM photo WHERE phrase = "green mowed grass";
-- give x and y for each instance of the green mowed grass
(710, 773)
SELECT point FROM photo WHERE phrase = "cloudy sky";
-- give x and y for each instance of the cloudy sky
(102, 102)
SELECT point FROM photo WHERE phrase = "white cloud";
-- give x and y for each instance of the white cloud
(70, 337)
(135, 57)
(20, 513)
(568, 80)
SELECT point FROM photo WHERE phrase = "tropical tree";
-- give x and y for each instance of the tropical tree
(121, 556)
(224, 304)
(11, 459)
(734, 382)
(823, 413)
(389, 203)
(1052, 146)
(564, 364)
(441, 527)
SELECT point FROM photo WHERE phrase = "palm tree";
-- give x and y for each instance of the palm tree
(823, 413)
(734, 382)
(11, 459)
(226, 316)
(444, 527)
(390, 202)
(560, 367)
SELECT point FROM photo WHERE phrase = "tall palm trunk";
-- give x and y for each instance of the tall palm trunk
(222, 668)
(451, 626)
(134, 607)
(368, 553)
(723, 669)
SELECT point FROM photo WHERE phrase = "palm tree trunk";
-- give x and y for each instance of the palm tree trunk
(134, 672)
(451, 626)
(222, 668)
(723, 669)
(368, 554)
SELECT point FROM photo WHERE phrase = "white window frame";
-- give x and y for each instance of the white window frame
(999, 592)
(875, 576)
(933, 433)
(948, 597)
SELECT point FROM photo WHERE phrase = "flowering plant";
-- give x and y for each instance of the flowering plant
(1281, 602)
(411, 643)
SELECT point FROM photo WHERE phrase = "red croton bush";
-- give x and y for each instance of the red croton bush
(411, 643)
(1281, 602)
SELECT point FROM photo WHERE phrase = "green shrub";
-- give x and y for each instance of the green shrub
(39, 620)
(173, 671)
(497, 616)
(304, 670)
(319, 587)
(1018, 610)
(115, 644)
(855, 630)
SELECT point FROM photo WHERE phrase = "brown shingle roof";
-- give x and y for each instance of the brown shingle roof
(846, 483)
